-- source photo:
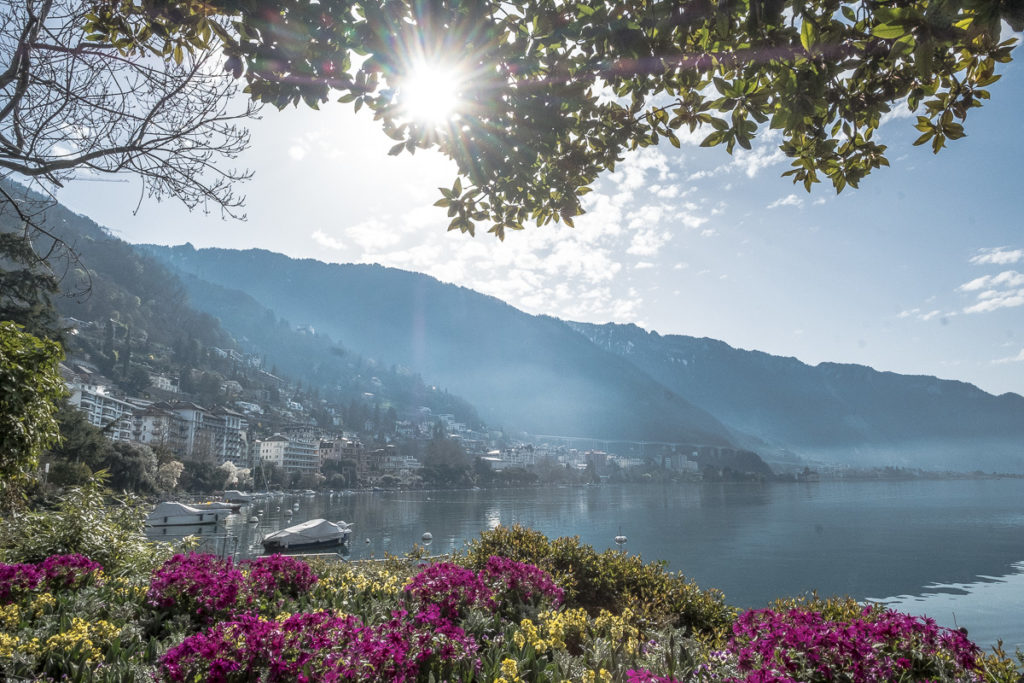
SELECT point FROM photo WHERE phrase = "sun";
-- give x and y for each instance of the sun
(429, 94)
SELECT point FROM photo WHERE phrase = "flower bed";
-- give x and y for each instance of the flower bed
(201, 618)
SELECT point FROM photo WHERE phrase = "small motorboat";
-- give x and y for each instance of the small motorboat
(237, 497)
(179, 514)
(316, 533)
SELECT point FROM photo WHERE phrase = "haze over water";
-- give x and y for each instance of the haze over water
(952, 549)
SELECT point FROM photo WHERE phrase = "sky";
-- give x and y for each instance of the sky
(920, 271)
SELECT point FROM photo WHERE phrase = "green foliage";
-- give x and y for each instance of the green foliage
(85, 520)
(832, 608)
(26, 283)
(202, 477)
(610, 580)
(31, 390)
(535, 127)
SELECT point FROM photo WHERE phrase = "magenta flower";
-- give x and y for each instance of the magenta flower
(16, 579)
(801, 645)
(68, 571)
(278, 573)
(200, 585)
(515, 581)
(453, 589)
(317, 647)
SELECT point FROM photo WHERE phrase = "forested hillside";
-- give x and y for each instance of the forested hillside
(130, 317)
(521, 371)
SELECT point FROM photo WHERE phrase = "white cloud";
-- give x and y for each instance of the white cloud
(648, 242)
(297, 152)
(643, 265)
(325, 240)
(1007, 278)
(999, 256)
(691, 221)
(708, 232)
(1019, 358)
(900, 111)
(761, 157)
(788, 200)
(992, 300)
(373, 234)
(924, 316)
(819, 201)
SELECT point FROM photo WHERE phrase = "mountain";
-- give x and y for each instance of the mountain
(832, 412)
(525, 372)
(547, 376)
(156, 328)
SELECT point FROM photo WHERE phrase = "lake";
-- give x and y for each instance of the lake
(949, 549)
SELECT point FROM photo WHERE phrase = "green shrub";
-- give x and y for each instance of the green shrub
(610, 580)
(85, 520)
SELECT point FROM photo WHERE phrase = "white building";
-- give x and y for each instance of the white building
(290, 454)
(110, 414)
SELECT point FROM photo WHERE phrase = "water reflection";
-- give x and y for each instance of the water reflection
(756, 542)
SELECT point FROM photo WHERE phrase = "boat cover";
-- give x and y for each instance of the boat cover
(311, 532)
(174, 509)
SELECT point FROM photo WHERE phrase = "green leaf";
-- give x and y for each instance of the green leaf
(808, 35)
(888, 31)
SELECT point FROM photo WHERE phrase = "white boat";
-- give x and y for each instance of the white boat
(316, 533)
(179, 514)
(237, 497)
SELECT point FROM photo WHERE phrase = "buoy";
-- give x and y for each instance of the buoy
(620, 539)
(427, 536)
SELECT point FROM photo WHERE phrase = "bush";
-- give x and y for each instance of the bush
(611, 580)
(85, 521)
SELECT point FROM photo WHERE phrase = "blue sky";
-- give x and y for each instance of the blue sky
(920, 271)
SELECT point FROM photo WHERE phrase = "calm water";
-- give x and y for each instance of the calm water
(953, 550)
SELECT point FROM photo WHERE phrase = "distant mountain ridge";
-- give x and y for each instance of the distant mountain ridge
(532, 373)
(832, 411)
(547, 376)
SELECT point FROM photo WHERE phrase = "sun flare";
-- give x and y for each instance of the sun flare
(429, 94)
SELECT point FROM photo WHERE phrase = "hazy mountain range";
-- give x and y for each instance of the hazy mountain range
(547, 376)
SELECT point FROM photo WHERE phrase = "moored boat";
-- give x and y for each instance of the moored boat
(237, 497)
(171, 513)
(316, 533)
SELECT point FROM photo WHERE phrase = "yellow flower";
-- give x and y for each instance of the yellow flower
(42, 603)
(510, 671)
(83, 636)
(604, 676)
(10, 617)
(8, 645)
